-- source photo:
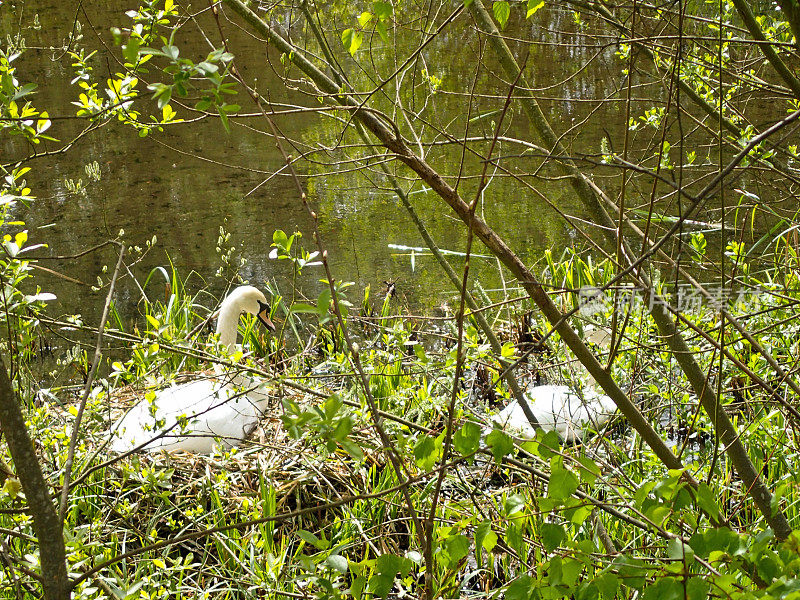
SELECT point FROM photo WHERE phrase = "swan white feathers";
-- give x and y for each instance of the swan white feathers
(560, 408)
(196, 415)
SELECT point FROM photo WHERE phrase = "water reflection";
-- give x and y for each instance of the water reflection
(162, 187)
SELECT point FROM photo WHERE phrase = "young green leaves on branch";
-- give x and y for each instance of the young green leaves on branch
(353, 38)
(502, 10)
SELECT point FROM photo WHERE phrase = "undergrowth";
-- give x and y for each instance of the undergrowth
(312, 505)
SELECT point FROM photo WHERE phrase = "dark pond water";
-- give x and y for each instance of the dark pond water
(182, 185)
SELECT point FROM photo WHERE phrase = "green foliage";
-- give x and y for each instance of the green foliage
(315, 505)
(501, 10)
(373, 22)
(18, 116)
(329, 423)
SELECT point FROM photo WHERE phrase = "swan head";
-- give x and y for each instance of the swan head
(247, 299)
(244, 299)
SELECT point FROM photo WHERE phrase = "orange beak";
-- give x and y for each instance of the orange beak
(263, 316)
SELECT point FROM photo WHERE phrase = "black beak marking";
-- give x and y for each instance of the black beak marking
(263, 316)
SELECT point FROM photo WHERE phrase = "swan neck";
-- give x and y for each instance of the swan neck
(227, 325)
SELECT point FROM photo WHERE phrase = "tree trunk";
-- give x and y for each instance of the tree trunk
(46, 525)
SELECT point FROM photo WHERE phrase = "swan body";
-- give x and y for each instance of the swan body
(558, 408)
(197, 415)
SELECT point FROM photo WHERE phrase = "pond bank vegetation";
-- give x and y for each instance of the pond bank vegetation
(652, 258)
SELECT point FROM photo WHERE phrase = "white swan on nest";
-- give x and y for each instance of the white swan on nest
(559, 408)
(196, 415)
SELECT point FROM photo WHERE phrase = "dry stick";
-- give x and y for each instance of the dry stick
(394, 456)
(46, 524)
(661, 316)
(98, 353)
(492, 241)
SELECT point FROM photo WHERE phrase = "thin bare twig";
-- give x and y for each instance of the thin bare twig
(98, 353)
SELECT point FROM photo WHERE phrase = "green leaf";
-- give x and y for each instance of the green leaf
(520, 588)
(549, 443)
(280, 239)
(513, 504)
(163, 96)
(587, 591)
(130, 51)
(500, 444)
(381, 28)
(768, 567)
(667, 588)
(357, 587)
(552, 535)
(224, 120)
(332, 405)
(590, 471)
(501, 10)
(364, 18)
(382, 10)
(207, 68)
(775, 502)
(676, 549)
(310, 538)
(352, 449)
(578, 514)
(555, 573)
(324, 302)
(300, 307)
(171, 52)
(516, 539)
(455, 548)
(533, 7)
(467, 440)
(427, 452)
(12, 487)
(352, 39)
(485, 539)
(24, 90)
(387, 567)
(632, 571)
(563, 482)
(608, 584)
(719, 539)
(570, 570)
(697, 589)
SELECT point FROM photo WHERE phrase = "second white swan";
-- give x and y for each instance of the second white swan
(558, 408)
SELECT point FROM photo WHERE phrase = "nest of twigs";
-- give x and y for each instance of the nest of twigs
(165, 494)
